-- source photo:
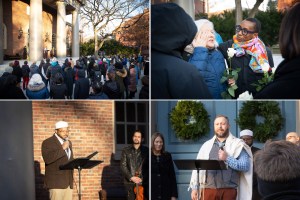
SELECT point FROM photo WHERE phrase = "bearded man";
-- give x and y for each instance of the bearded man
(135, 166)
(236, 181)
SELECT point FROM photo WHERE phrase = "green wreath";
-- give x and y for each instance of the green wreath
(269, 110)
(189, 120)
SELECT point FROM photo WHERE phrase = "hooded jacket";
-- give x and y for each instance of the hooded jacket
(172, 29)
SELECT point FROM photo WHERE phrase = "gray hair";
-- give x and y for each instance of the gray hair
(199, 23)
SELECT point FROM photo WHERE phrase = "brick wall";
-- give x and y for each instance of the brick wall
(91, 129)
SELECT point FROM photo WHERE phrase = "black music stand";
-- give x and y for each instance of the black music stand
(200, 165)
(81, 163)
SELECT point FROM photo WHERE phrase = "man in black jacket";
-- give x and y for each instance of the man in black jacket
(172, 29)
(277, 167)
(247, 38)
(135, 166)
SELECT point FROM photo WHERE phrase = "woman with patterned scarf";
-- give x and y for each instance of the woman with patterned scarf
(251, 55)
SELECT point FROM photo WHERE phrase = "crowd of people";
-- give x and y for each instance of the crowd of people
(115, 77)
(193, 62)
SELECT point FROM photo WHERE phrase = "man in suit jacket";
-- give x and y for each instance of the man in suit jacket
(56, 151)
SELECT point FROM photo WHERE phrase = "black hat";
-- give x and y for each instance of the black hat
(119, 65)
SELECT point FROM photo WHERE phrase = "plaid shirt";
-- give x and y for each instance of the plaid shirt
(242, 163)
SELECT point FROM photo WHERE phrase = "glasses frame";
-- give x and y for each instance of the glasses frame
(245, 32)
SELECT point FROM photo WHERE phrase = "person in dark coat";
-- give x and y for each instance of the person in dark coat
(112, 88)
(172, 29)
(59, 89)
(25, 74)
(277, 167)
(69, 80)
(250, 56)
(17, 71)
(134, 166)
(98, 90)
(10, 88)
(163, 179)
(287, 75)
(82, 86)
(44, 71)
(144, 92)
(52, 70)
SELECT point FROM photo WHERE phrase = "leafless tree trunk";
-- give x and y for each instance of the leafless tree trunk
(255, 8)
(238, 12)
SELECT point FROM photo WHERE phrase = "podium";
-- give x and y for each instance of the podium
(200, 165)
(79, 164)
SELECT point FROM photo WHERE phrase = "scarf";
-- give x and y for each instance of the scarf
(256, 48)
(233, 147)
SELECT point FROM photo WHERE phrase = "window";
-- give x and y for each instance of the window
(130, 116)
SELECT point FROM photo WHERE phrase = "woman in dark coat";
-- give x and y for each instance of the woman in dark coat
(58, 90)
(82, 86)
(163, 180)
(287, 75)
(69, 80)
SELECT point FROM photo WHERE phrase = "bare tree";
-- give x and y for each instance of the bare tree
(255, 8)
(101, 13)
(238, 12)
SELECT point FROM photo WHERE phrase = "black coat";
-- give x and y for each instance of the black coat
(58, 91)
(163, 179)
(246, 75)
(69, 80)
(133, 160)
(112, 89)
(82, 86)
(286, 82)
(172, 77)
(279, 190)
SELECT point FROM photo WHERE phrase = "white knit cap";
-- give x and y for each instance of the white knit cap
(36, 79)
(61, 124)
(246, 132)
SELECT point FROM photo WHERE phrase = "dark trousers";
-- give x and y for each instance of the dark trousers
(218, 194)
(130, 192)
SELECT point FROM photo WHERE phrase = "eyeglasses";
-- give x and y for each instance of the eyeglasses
(245, 32)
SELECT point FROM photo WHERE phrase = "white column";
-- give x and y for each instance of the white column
(35, 30)
(188, 6)
(1, 32)
(75, 33)
(61, 46)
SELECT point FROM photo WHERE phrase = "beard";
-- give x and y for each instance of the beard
(136, 142)
(222, 133)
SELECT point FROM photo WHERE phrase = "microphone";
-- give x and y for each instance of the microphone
(221, 145)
